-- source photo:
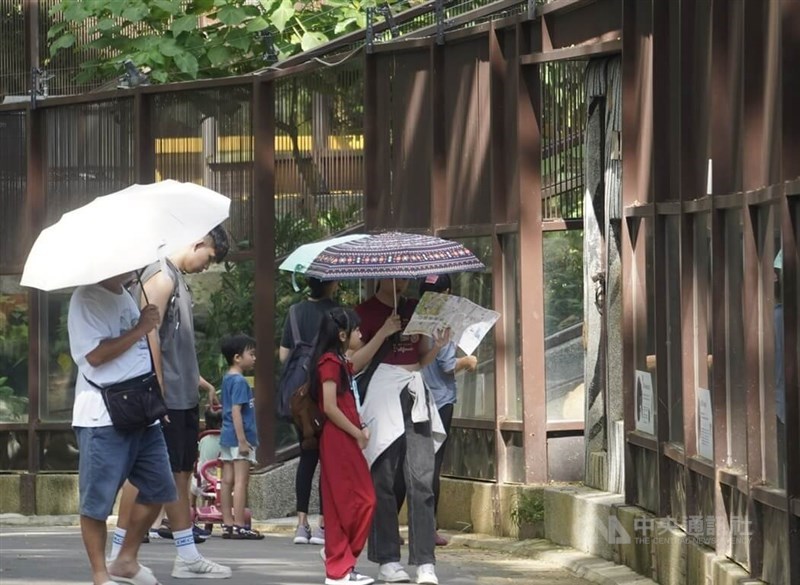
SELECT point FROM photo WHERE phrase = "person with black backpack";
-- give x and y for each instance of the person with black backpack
(299, 337)
(301, 327)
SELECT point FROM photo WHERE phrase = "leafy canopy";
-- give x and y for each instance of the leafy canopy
(182, 40)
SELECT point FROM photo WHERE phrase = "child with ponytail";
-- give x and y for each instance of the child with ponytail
(345, 478)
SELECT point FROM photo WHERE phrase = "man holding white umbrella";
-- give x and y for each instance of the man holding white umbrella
(108, 343)
(117, 400)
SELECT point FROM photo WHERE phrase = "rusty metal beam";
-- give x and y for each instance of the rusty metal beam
(754, 176)
(591, 49)
(374, 150)
(790, 37)
(35, 213)
(636, 143)
(528, 188)
(31, 34)
(263, 116)
(754, 172)
(750, 287)
(661, 124)
(440, 194)
(790, 223)
(144, 145)
(498, 77)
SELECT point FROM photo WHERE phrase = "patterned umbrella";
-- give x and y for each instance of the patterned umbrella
(393, 255)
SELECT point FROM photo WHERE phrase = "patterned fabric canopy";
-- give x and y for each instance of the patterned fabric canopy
(393, 255)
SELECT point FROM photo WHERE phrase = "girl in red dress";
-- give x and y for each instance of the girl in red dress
(345, 477)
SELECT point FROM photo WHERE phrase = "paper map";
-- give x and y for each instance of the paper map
(469, 323)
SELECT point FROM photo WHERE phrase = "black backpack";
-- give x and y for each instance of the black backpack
(296, 370)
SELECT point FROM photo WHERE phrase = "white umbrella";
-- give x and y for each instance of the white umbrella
(122, 232)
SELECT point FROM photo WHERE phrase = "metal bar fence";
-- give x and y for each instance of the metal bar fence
(564, 113)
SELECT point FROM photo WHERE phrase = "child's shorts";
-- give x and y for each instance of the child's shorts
(232, 454)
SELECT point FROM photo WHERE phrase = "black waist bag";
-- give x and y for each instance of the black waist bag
(135, 403)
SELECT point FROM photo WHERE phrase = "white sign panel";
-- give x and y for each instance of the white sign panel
(705, 424)
(643, 401)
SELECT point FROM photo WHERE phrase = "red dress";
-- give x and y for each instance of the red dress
(345, 478)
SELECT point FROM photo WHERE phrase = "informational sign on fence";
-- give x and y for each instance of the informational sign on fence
(643, 401)
(469, 323)
(705, 424)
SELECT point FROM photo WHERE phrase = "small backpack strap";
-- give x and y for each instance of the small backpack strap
(293, 324)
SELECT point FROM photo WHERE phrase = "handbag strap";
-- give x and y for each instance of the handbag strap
(149, 352)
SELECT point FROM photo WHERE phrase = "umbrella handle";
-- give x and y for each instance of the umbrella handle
(141, 285)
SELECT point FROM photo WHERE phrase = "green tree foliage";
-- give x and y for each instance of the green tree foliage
(13, 357)
(563, 280)
(182, 40)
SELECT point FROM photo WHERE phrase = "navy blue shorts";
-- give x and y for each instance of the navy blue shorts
(109, 457)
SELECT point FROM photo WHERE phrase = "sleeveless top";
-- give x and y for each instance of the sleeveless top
(176, 334)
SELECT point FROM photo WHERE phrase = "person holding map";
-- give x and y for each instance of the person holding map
(405, 431)
(440, 378)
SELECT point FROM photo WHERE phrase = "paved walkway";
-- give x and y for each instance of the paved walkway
(54, 555)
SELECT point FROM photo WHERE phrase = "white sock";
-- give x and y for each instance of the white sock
(116, 542)
(184, 542)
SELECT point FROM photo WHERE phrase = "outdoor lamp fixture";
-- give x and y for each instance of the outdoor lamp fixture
(270, 53)
(40, 84)
(133, 77)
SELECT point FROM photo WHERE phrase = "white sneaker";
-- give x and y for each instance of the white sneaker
(427, 574)
(354, 578)
(202, 568)
(302, 535)
(317, 536)
(393, 573)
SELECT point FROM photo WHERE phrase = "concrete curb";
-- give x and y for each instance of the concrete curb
(581, 564)
(271, 526)
(41, 521)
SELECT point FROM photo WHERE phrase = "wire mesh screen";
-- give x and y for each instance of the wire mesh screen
(65, 65)
(563, 124)
(415, 27)
(89, 152)
(319, 145)
(13, 70)
(62, 69)
(13, 169)
(206, 137)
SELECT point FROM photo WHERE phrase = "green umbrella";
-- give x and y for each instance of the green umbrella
(298, 261)
(302, 257)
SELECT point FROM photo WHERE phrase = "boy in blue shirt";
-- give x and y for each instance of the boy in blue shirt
(238, 437)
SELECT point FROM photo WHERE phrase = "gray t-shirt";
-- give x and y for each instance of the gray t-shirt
(178, 355)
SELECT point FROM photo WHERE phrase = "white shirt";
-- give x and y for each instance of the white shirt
(97, 314)
(383, 414)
